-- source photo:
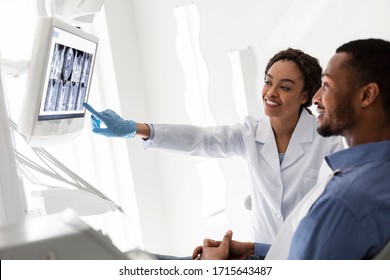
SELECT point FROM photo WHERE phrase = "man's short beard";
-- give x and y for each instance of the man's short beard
(327, 131)
(341, 119)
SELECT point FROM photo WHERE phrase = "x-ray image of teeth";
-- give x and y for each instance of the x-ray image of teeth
(57, 62)
(72, 97)
(63, 96)
(81, 97)
(77, 67)
(68, 63)
(68, 79)
(86, 69)
(51, 97)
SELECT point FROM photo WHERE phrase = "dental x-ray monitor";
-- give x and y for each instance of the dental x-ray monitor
(59, 80)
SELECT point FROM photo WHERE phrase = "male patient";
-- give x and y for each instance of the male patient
(351, 218)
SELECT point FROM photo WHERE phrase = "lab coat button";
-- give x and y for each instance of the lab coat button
(278, 216)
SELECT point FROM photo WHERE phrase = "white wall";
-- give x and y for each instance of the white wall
(151, 86)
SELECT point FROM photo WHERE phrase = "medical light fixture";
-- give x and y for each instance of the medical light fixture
(76, 12)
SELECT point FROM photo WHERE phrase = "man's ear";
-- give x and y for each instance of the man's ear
(370, 93)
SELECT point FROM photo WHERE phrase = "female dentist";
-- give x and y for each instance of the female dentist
(282, 149)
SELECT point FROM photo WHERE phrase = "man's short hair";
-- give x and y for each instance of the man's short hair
(370, 58)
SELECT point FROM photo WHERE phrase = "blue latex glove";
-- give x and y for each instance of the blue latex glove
(116, 126)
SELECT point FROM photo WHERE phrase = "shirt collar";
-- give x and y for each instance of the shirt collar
(365, 153)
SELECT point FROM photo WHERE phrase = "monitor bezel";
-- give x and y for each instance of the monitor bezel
(42, 131)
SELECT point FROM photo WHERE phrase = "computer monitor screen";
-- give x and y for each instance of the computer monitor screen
(58, 83)
(68, 78)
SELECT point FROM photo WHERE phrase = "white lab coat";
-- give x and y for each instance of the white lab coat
(280, 248)
(276, 189)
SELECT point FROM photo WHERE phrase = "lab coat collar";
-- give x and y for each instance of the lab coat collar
(303, 133)
(306, 127)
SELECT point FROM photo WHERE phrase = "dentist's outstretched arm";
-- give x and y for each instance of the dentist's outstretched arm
(116, 126)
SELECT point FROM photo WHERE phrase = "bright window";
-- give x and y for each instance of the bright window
(198, 109)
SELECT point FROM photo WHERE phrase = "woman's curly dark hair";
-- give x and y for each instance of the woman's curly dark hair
(308, 65)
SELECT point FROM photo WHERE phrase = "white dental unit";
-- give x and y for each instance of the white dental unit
(60, 234)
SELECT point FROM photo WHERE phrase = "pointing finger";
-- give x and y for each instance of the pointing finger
(92, 110)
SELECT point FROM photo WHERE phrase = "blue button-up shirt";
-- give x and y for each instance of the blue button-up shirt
(351, 219)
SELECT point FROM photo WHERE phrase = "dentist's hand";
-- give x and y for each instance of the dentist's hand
(116, 126)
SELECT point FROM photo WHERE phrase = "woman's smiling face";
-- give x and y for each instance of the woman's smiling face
(283, 92)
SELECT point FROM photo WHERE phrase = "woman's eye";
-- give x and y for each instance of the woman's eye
(324, 85)
(267, 83)
(285, 88)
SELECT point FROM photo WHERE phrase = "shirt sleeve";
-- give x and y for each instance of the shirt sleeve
(261, 249)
